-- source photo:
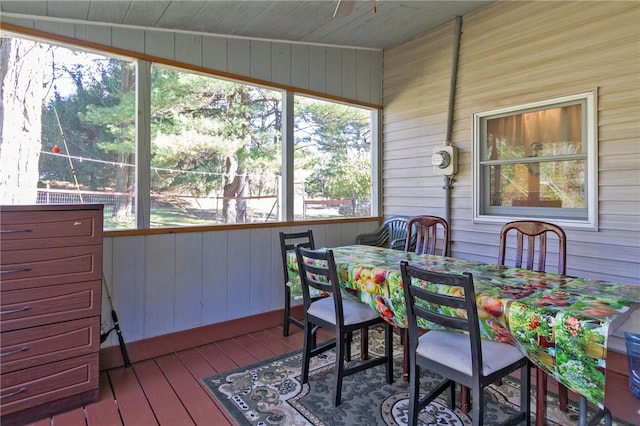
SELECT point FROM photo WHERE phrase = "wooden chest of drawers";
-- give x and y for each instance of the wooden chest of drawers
(50, 305)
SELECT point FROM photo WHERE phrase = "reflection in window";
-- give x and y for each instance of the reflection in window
(534, 161)
(542, 135)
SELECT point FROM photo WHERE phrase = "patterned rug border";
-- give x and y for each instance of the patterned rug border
(230, 407)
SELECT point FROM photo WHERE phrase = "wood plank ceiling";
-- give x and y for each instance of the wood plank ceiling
(393, 23)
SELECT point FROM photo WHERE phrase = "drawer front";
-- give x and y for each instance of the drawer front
(44, 267)
(39, 345)
(46, 383)
(46, 305)
(40, 229)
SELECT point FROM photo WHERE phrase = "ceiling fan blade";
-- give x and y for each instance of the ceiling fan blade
(344, 8)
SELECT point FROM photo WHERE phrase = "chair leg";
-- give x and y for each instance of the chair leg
(314, 337)
(563, 397)
(364, 343)
(477, 408)
(525, 392)
(595, 419)
(307, 346)
(341, 342)
(287, 311)
(388, 351)
(452, 396)
(608, 419)
(465, 399)
(404, 338)
(414, 394)
(541, 395)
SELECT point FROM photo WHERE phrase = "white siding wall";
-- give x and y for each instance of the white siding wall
(348, 73)
(513, 53)
(172, 282)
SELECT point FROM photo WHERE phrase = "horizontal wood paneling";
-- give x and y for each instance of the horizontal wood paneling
(513, 53)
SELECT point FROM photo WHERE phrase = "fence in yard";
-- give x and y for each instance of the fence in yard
(194, 210)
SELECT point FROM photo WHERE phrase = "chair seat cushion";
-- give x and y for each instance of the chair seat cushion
(454, 350)
(354, 312)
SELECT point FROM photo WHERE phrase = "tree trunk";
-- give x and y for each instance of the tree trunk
(235, 188)
(242, 192)
(22, 92)
(228, 191)
(124, 185)
(125, 181)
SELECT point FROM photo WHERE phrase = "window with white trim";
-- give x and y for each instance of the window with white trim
(537, 161)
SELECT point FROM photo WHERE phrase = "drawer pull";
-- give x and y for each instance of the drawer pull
(13, 311)
(19, 391)
(17, 351)
(13, 271)
(14, 231)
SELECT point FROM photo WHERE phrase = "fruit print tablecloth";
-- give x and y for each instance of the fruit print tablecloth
(561, 323)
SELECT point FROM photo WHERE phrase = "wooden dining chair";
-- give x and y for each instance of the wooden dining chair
(531, 242)
(535, 233)
(317, 270)
(287, 243)
(459, 355)
(422, 235)
(422, 238)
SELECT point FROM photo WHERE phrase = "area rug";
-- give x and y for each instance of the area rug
(271, 393)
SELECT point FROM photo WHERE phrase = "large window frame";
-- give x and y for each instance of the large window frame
(582, 218)
(143, 135)
(287, 187)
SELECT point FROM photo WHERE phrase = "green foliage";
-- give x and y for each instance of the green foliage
(331, 142)
(199, 159)
(351, 179)
(95, 122)
(197, 123)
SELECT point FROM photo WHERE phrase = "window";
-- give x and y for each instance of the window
(537, 161)
(215, 150)
(75, 143)
(332, 159)
(210, 150)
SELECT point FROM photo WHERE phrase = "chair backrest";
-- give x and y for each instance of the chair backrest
(425, 298)
(287, 244)
(391, 234)
(423, 231)
(317, 270)
(533, 231)
(397, 230)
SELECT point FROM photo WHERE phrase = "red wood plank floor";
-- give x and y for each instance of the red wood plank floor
(167, 390)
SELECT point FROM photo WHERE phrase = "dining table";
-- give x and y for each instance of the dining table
(561, 323)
